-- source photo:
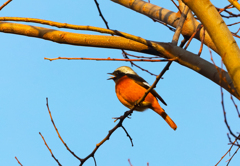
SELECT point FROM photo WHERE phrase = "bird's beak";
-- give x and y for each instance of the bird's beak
(111, 77)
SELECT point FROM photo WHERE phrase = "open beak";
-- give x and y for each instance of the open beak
(111, 77)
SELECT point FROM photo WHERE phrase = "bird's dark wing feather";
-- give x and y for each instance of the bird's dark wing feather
(140, 81)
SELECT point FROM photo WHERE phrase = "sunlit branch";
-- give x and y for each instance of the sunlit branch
(167, 16)
(5, 4)
(235, 4)
(168, 50)
(180, 25)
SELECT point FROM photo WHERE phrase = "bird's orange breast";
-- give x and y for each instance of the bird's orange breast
(129, 92)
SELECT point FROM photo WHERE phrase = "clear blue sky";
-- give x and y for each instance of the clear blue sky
(83, 101)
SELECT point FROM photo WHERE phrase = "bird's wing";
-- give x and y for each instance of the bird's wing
(140, 81)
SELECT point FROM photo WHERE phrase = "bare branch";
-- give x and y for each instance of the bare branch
(5, 4)
(176, 6)
(59, 133)
(18, 161)
(130, 162)
(226, 152)
(113, 59)
(50, 150)
(235, 106)
(193, 35)
(127, 135)
(233, 155)
(202, 41)
(100, 14)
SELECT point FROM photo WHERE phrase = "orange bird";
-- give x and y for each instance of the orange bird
(130, 87)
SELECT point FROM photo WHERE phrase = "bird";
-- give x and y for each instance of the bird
(130, 87)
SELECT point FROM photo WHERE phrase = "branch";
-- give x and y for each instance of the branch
(113, 59)
(100, 14)
(167, 16)
(18, 161)
(50, 150)
(219, 32)
(235, 4)
(59, 133)
(5, 4)
(168, 50)
(226, 152)
(233, 156)
(180, 25)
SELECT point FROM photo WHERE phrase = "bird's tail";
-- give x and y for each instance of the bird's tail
(165, 116)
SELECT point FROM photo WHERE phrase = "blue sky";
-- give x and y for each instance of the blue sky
(83, 101)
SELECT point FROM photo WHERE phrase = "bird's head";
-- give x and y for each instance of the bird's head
(120, 72)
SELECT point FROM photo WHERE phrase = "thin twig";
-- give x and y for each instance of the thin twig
(235, 35)
(5, 4)
(127, 135)
(123, 52)
(176, 6)
(161, 22)
(18, 161)
(220, 10)
(130, 162)
(125, 55)
(142, 56)
(59, 133)
(202, 42)
(193, 35)
(235, 106)
(113, 59)
(226, 152)
(233, 24)
(233, 155)
(50, 150)
(100, 14)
